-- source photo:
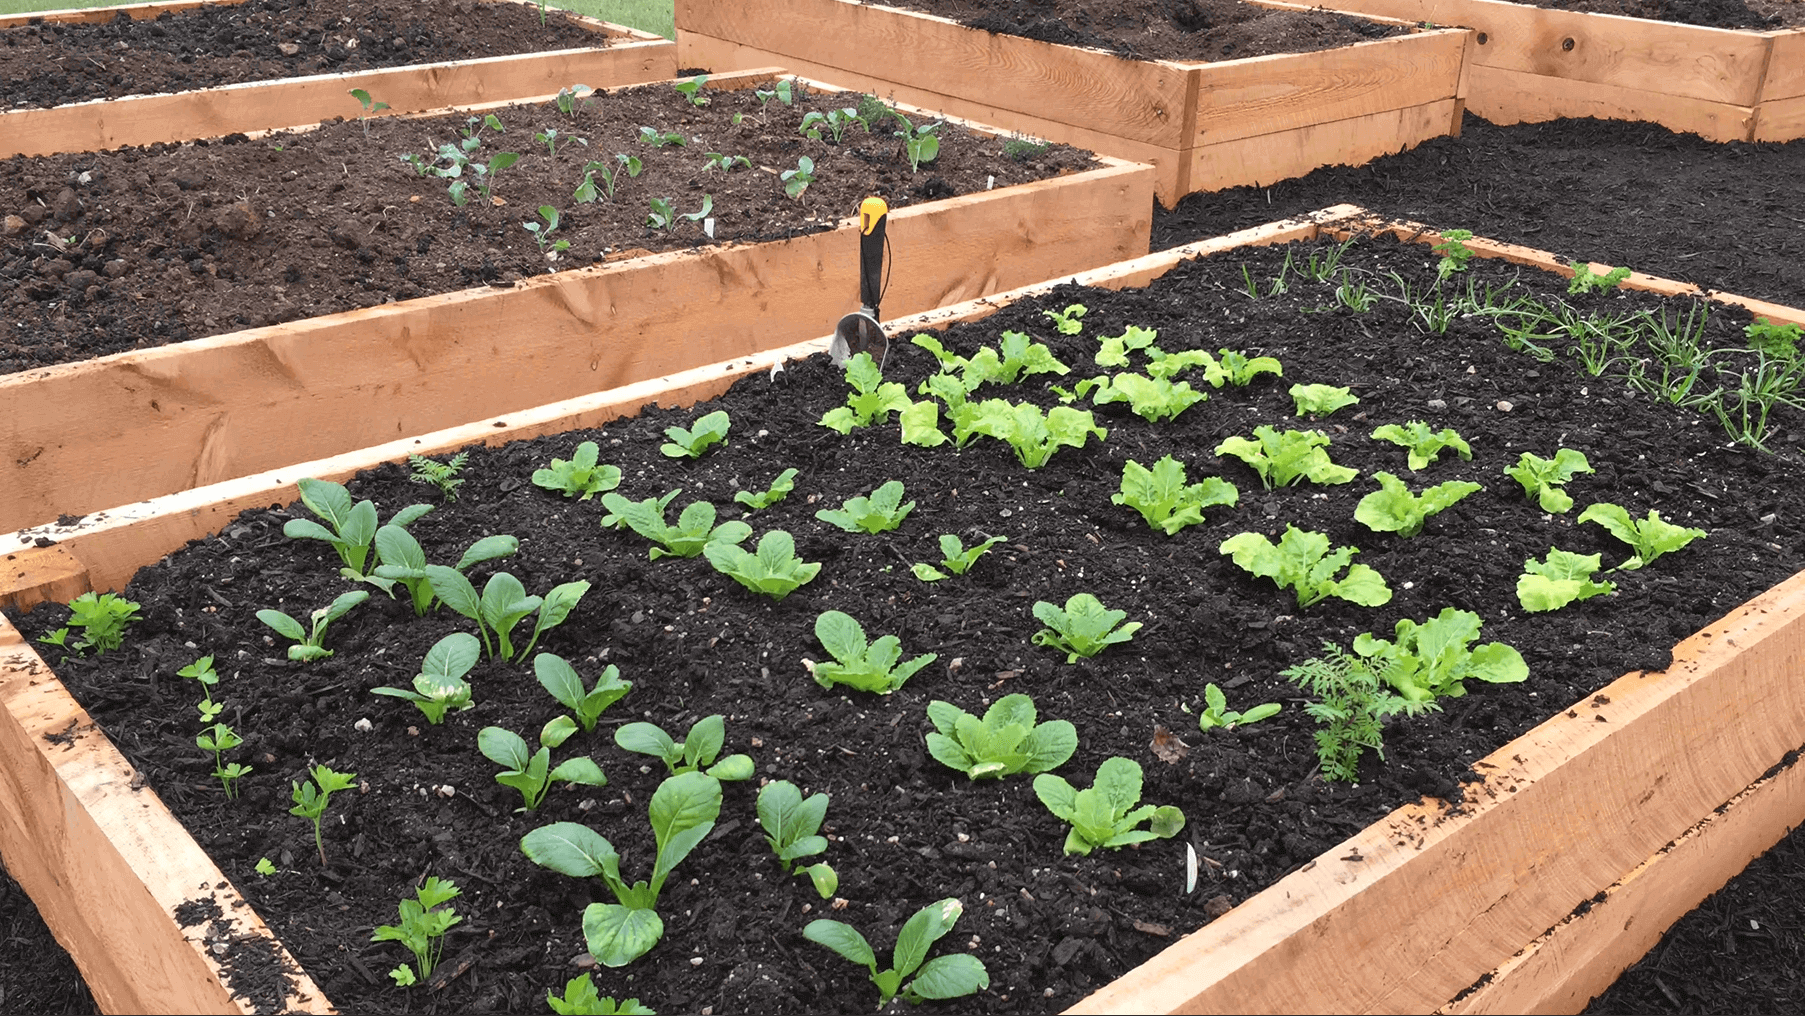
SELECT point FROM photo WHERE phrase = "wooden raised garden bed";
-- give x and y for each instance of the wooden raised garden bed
(1532, 64)
(1586, 837)
(205, 410)
(630, 57)
(1206, 126)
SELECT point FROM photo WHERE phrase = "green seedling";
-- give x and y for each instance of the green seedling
(658, 139)
(1284, 459)
(542, 233)
(370, 107)
(581, 999)
(921, 144)
(580, 477)
(1240, 369)
(265, 866)
(1648, 538)
(872, 399)
(705, 433)
(532, 773)
(952, 976)
(560, 680)
(550, 138)
(1320, 400)
(403, 563)
(873, 668)
(310, 645)
(569, 100)
(312, 797)
(1165, 500)
(795, 181)
(612, 178)
(1542, 478)
(921, 424)
(1115, 350)
(1423, 446)
(879, 513)
(1302, 562)
(202, 670)
(695, 528)
(696, 752)
(1394, 509)
(422, 928)
(1015, 357)
(725, 163)
(440, 686)
(1216, 714)
(353, 526)
(1586, 282)
(774, 569)
(1431, 660)
(1005, 742)
(1151, 399)
(1778, 341)
(692, 89)
(664, 215)
(1021, 149)
(503, 605)
(792, 827)
(955, 557)
(485, 173)
(613, 520)
(781, 91)
(102, 618)
(780, 488)
(443, 475)
(220, 739)
(1559, 579)
(1104, 814)
(1351, 705)
(1454, 252)
(1084, 628)
(1033, 436)
(1069, 321)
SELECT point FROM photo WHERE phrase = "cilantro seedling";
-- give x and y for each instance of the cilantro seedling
(795, 181)
(443, 475)
(581, 999)
(697, 751)
(422, 928)
(1320, 400)
(1302, 562)
(1284, 459)
(102, 617)
(702, 435)
(202, 671)
(955, 557)
(1084, 628)
(1648, 538)
(1559, 579)
(1423, 446)
(560, 680)
(658, 139)
(569, 99)
(873, 668)
(1104, 814)
(1350, 709)
(952, 976)
(1394, 509)
(1005, 742)
(879, 513)
(921, 144)
(1542, 478)
(312, 797)
(440, 686)
(1217, 714)
(612, 178)
(220, 739)
(370, 107)
(503, 605)
(1033, 436)
(871, 401)
(774, 569)
(1430, 660)
(310, 645)
(580, 477)
(1778, 341)
(542, 234)
(1163, 498)
(792, 827)
(725, 163)
(694, 530)
(532, 774)
(1454, 252)
(1069, 321)
(265, 866)
(1586, 282)
(780, 488)
(692, 89)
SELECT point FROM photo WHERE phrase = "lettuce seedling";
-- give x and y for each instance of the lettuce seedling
(1005, 742)
(780, 488)
(707, 432)
(1423, 445)
(1430, 660)
(1104, 814)
(1033, 436)
(1303, 563)
(694, 530)
(1116, 348)
(102, 618)
(202, 670)
(310, 645)
(404, 563)
(773, 570)
(1164, 499)
(1217, 715)
(793, 829)
(956, 558)
(614, 520)
(1586, 282)
(422, 928)
(1558, 580)
(683, 813)
(532, 774)
(579, 477)
(1542, 478)
(1284, 459)
(1151, 399)
(1455, 254)
(503, 605)
(697, 751)
(1084, 628)
(952, 976)
(440, 686)
(1015, 357)
(1394, 509)
(1068, 321)
(443, 475)
(921, 424)
(313, 796)
(560, 680)
(581, 999)
(879, 513)
(220, 739)
(1242, 369)
(1351, 706)
(1648, 538)
(1320, 400)
(872, 668)
(872, 399)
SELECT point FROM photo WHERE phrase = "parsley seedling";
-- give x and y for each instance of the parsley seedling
(1648, 538)
(879, 513)
(1424, 447)
(1559, 579)
(1778, 341)
(1542, 478)
(702, 435)
(561, 681)
(532, 774)
(1084, 628)
(443, 475)
(581, 999)
(774, 569)
(780, 488)
(697, 751)
(220, 739)
(1454, 251)
(312, 797)
(1104, 814)
(793, 829)
(1218, 716)
(1005, 742)
(874, 667)
(1394, 509)
(952, 976)
(580, 477)
(202, 671)
(265, 866)
(440, 686)
(1163, 498)
(1430, 660)
(1586, 282)
(1302, 562)
(102, 617)
(422, 928)
(1284, 459)
(955, 557)
(311, 645)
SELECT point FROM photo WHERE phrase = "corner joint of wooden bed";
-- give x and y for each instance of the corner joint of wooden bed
(37, 575)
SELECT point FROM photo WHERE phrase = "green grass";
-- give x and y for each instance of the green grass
(32, 6)
(645, 15)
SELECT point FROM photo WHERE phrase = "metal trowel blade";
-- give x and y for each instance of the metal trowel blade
(857, 333)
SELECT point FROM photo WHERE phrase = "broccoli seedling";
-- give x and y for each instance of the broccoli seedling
(220, 739)
(1084, 628)
(1586, 282)
(485, 175)
(879, 513)
(1351, 706)
(1163, 498)
(581, 999)
(795, 181)
(780, 488)
(793, 829)
(310, 645)
(704, 434)
(587, 191)
(1005, 742)
(955, 557)
(1454, 251)
(1284, 459)
(443, 475)
(920, 143)
(532, 774)
(697, 751)
(1542, 478)
(873, 667)
(1320, 400)
(1558, 580)
(1430, 660)
(542, 235)
(560, 680)
(658, 139)
(503, 605)
(422, 928)
(440, 686)
(1648, 538)
(370, 107)
(1423, 446)
(550, 137)
(872, 399)
(102, 617)
(692, 89)
(580, 477)
(1302, 562)
(569, 99)
(202, 671)
(1217, 715)
(1394, 509)
(1104, 814)
(725, 163)
(774, 569)
(312, 797)
(952, 976)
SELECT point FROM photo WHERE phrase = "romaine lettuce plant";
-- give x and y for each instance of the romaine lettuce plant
(773, 570)
(879, 513)
(1320, 400)
(102, 618)
(952, 976)
(440, 686)
(697, 751)
(581, 999)
(1394, 509)
(1151, 399)
(1104, 814)
(1422, 444)
(1542, 478)
(705, 433)
(1084, 628)
(780, 488)
(1558, 580)
(694, 530)
(422, 928)
(1034, 436)
(955, 557)
(1164, 499)
(503, 605)
(310, 645)
(1648, 538)
(1005, 742)
(1284, 459)
(532, 774)
(872, 400)
(1430, 660)
(1217, 715)
(1302, 562)
(312, 797)
(579, 477)
(873, 667)
(561, 681)
(793, 829)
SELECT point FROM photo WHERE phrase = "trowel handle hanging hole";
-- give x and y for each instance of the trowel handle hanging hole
(1483, 38)
(1567, 44)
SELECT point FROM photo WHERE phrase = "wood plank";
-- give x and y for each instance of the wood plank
(1785, 67)
(1268, 158)
(32, 575)
(1781, 119)
(1506, 97)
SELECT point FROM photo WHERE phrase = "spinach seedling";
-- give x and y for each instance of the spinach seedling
(1005, 742)
(1454, 252)
(440, 686)
(312, 797)
(532, 774)
(1302, 562)
(1558, 580)
(1033, 436)
(353, 526)
(1069, 321)
(694, 530)
(202, 670)
(873, 668)
(1284, 459)
(1163, 498)
(542, 234)
(422, 928)
(102, 618)
(581, 999)
(955, 557)
(580, 477)
(1430, 660)
(1648, 538)
(1104, 814)
(569, 99)
(658, 139)
(560, 680)
(1352, 703)
(550, 137)
(774, 569)
(220, 739)
(705, 433)
(780, 488)
(1423, 446)
(696, 752)
(1084, 628)
(443, 475)
(612, 178)
(795, 181)
(1586, 282)
(503, 605)
(1320, 400)
(1394, 509)
(952, 976)
(872, 399)
(1542, 478)
(879, 513)
(793, 829)
(692, 89)
(921, 144)
(370, 107)
(310, 645)
(725, 163)
(683, 813)
(1217, 715)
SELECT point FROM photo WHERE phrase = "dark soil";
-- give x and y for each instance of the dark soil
(36, 975)
(145, 246)
(51, 63)
(1187, 30)
(1761, 15)
(907, 830)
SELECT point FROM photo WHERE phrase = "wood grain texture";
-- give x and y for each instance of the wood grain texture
(1268, 158)
(1506, 97)
(32, 575)
(1786, 67)
(1781, 119)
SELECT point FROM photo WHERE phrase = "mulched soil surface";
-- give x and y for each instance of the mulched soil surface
(1760, 15)
(907, 830)
(36, 975)
(49, 63)
(145, 246)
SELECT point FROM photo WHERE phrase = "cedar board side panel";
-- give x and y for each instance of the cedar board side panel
(1268, 158)
(1786, 68)
(1507, 97)
(1781, 119)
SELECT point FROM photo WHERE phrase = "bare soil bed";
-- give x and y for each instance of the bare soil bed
(141, 247)
(907, 830)
(1761, 15)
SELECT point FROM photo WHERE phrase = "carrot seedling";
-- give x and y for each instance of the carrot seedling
(443, 475)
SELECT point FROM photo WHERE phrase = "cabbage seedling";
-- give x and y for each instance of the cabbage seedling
(220, 739)
(873, 667)
(370, 107)
(725, 163)
(872, 399)
(1084, 628)
(793, 829)
(581, 999)
(442, 475)
(102, 617)
(568, 99)
(658, 139)
(1006, 741)
(310, 645)
(1649, 538)
(697, 751)
(1217, 714)
(1430, 660)
(312, 797)
(879, 513)
(773, 570)
(795, 181)
(952, 976)
(422, 928)
(1558, 580)
(532, 774)
(560, 680)
(692, 89)
(580, 477)
(694, 530)
(920, 143)
(440, 686)
(1320, 400)
(780, 488)
(1302, 562)
(1542, 478)
(1394, 509)
(704, 434)
(1163, 498)
(611, 178)
(503, 605)
(1423, 445)
(550, 138)
(542, 235)
(1284, 459)
(1104, 814)
(956, 558)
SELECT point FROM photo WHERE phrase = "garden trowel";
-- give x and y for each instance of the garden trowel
(860, 332)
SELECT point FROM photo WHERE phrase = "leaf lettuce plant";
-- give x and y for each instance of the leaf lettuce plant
(1005, 742)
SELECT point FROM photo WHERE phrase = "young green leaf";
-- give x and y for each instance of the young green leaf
(423, 925)
(440, 685)
(773, 570)
(1648, 538)
(1151, 399)
(353, 526)
(1033, 436)
(1217, 715)
(879, 513)
(1558, 580)
(1394, 509)
(314, 796)
(1115, 348)
(1084, 628)
(1284, 459)
(780, 488)
(310, 645)
(102, 617)
(697, 751)
(1241, 369)
(956, 558)
(943, 977)
(1104, 814)
(1068, 321)
(873, 667)
(694, 530)
(580, 477)
(1586, 282)
(560, 680)
(532, 774)
(704, 434)
(1430, 660)
(1006, 741)
(921, 424)
(793, 829)
(1320, 400)
(1302, 562)
(581, 999)
(1163, 498)
(872, 400)
(1542, 478)
(1423, 445)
